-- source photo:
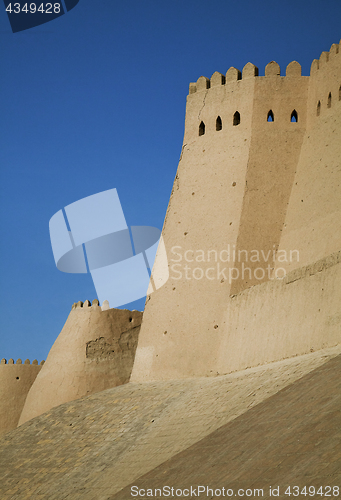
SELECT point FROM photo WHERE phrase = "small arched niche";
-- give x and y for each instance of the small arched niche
(218, 124)
(201, 128)
(236, 118)
(318, 108)
(294, 117)
(270, 117)
(329, 101)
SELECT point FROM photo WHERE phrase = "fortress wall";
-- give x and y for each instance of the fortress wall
(274, 152)
(94, 351)
(241, 188)
(15, 382)
(313, 220)
(283, 318)
(179, 320)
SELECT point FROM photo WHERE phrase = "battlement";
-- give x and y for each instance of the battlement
(249, 71)
(19, 362)
(272, 69)
(325, 58)
(87, 304)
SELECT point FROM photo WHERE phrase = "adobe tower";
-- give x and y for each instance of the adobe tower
(252, 229)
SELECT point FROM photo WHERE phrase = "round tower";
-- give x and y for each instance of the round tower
(94, 351)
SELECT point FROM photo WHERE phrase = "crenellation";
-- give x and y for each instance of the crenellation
(249, 71)
(233, 74)
(293, 69)
(87, 305)
(105, 305)
(315, 65)
(19, 362)
(334, 49)
(272, 69)
(324, 58)
(192, 88)
(203, 83)
(217, 79)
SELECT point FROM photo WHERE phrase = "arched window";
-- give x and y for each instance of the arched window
(329, 102)
(294, 116)
(318, 108)
(271, 117)
(236, 118)
(340, 93)
(201, 128)
(218, 124)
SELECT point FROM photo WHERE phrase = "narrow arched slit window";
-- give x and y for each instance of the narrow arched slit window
(329, 102)
(201, 128)
(218, 124)
(271, 117)
(318, 108)
(236, 118)
(340, 93)
(294, 116)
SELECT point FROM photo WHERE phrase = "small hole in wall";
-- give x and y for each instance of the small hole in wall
(17, 378)
(329, 101)
(130, 320)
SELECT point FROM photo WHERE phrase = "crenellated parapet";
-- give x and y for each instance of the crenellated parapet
(19, 362)
(86, 305)
(249, 71)
(245, 99)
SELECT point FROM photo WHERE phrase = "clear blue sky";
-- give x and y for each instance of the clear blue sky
(96, 100)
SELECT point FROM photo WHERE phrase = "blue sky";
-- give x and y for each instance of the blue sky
(96, 100)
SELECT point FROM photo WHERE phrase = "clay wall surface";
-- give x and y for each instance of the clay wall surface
(16, 380)
(94, 351)
(313, 220)
(203, 214)
(274, 153)
(240, 188)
